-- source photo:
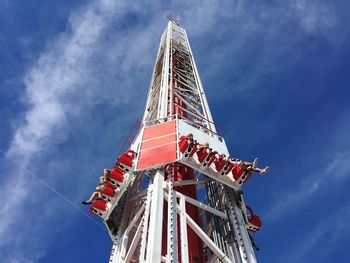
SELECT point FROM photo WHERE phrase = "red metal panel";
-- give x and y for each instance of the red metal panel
(158, 145)
(159, 130)
(157, 156)
(158, 141)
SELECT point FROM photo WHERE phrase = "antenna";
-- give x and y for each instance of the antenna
(175, 20)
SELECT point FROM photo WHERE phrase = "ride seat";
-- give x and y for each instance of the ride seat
(188, 149)
(125, 160)
(98, 207)
(109, 192)
(116, 176)
(237, 171)
(220, 163)
(227, 167)
(109, 189)
(243, 178)
(254, 221)
(183, 144)
(209, 160)
(191, 149)
(202, 154)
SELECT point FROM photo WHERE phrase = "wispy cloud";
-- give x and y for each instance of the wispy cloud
(58, 86)
(326, 233)
(332, 167)
(316, 16)
(96, 62)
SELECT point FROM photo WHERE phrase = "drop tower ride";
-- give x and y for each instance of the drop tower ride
(175, 194)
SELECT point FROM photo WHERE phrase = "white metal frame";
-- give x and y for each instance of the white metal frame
(140, 234)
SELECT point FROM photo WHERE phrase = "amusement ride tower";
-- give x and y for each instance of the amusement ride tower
(175, 194)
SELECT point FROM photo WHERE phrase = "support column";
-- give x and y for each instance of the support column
(183, 231)
(172, 224)
(154, 247)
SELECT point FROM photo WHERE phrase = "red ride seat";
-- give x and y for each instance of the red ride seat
(241, 175)
(116, 176)
(209, 160)
(193, 150)
(98, 207)
(183, 144)
(125, 160)
(188, 149)
(254, 221)
(237, 171)
(202, 154)
(109, 192)
(220, 163)
(228, 167)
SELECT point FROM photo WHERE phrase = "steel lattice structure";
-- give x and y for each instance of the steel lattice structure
(175, 195)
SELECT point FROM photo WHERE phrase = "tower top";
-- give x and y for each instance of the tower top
(175, 20)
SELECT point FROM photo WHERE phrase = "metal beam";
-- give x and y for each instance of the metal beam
(144, 222)
(134, 243)
(172, 223)
(190, 182)
(154, 246)
(202, 206)
(183, 231)
(202, 235)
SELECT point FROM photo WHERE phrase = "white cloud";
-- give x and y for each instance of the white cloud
(57, 87)
(327, 232)
(332, 167)
(315, 16)
(89, 64)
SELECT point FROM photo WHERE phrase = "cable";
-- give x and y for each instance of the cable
(57, 192)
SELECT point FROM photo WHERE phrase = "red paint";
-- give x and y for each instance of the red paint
(126, 158)
(157, 130)
(219, 164)
(202, 154)
(158, 141)
(194, 150)
(100, 205)
(183, 144)
(109, 189)
(157, 156)
(254, 219)
(237, 171)
(212, 159)
(158, 145)
(117, 174)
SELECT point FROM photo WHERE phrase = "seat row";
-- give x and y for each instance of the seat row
(221, 164)
(116, 183)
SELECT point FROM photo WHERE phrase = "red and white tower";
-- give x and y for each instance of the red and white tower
(175, 194)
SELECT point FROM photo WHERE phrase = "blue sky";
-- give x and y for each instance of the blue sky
(74, 78)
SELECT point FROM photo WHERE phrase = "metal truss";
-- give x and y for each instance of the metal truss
(140, 237)
(175, 83)
(153, 221)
